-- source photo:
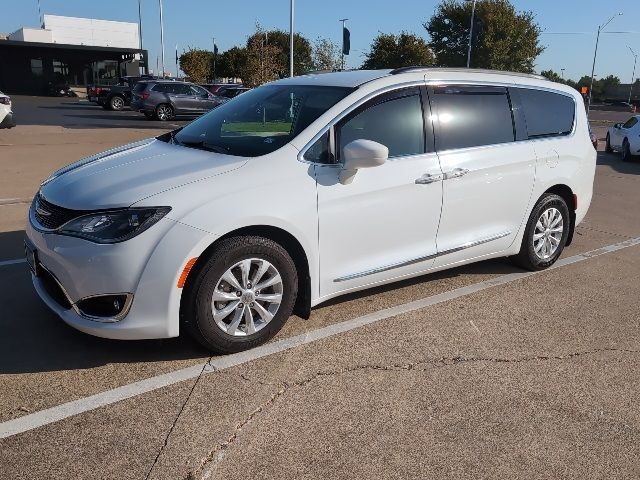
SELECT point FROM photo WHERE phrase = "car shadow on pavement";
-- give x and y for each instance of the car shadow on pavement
(614, 160)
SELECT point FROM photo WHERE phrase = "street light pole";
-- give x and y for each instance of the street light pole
(473, 14)
(291, 38)
(595, 54)
(635, 59)
(562, 73)
(140, 31)
(162, 36)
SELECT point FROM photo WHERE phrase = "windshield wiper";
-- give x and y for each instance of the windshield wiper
(203, 145)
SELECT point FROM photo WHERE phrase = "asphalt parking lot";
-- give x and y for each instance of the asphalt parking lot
(483, 371)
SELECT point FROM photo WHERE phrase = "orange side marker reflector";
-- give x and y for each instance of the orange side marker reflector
(185, 272)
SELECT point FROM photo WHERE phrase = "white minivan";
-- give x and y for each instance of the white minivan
(309, 188)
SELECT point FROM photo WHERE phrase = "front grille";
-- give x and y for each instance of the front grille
(53, 289)
(52, 216)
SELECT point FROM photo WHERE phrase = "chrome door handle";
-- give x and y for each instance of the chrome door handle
(427, 178)
(456, 173)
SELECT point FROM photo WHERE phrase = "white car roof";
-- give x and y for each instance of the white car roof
(355, 78)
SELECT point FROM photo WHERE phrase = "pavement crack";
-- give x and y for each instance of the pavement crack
(591, 229)
(207, 367)
(217, 452)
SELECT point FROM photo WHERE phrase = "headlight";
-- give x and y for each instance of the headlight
(113, 226)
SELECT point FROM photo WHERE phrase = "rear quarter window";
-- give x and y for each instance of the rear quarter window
(546, 114)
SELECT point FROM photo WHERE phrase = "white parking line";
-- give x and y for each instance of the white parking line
(66, 410)
(12, 262)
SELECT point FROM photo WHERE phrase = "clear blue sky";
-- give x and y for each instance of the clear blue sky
(195, 22)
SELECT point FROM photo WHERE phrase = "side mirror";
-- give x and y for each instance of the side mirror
(617, 125)
(361, 154)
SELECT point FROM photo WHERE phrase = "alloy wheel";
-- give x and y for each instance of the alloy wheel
(164, 112)
(548, 233)
(117, 103)
(247, 297)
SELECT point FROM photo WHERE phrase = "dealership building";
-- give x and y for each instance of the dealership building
(76, 51)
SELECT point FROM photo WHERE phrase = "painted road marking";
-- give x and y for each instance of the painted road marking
(76, 407)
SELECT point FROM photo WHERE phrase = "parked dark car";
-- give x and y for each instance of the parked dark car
(164, 100)
(215, 87)
(231, 91)
(115, 97)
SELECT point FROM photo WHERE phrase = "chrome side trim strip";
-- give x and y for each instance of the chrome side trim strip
(385, 268)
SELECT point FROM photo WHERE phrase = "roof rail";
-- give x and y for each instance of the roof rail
(418, 68)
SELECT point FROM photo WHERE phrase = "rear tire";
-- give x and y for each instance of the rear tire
(164, 112)
(607, 147)
(227, 313)
(546, 233)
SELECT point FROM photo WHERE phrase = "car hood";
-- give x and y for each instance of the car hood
(123, 176)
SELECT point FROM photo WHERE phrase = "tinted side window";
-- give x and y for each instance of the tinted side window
(630, 123)
(472, 117)
(546, 113)
(319, 151)
(181, 89)
(397, 123)
(160, 87)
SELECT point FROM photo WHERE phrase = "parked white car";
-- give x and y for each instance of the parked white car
(625, 138)
(306, 189)
(6, 115)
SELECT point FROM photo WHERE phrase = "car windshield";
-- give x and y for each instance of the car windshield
(261, 120)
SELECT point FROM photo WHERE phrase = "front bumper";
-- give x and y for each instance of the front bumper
(8, 121)
(147, 267)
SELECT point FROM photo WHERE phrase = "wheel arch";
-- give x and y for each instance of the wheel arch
(291, 244)
(569, 197)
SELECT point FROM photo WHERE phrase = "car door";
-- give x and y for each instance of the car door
(384, 224)
(488, 176)
(619, 134)
(203, 101)
(183, 98)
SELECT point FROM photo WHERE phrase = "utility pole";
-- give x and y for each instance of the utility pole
(40, 19)
(291, 38)
(140, 30)
(473, 15)
(343, 20)
(162, 36)
(562, 73)
(595, 53)
(635, 59)
(177, 69)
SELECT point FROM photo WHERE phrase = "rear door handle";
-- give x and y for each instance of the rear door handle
(456, 173)
(427, 178)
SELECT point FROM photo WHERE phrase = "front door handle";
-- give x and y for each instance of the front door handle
(427, 178)
(456, 173)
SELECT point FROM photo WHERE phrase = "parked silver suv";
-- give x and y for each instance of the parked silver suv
(165, 99)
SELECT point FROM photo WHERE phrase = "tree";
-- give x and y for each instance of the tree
(302, 61)
(551, 75)
(393, 51)
(197, 64)
(263, 61)
(326, 55)
(506, 40)
(232, 62)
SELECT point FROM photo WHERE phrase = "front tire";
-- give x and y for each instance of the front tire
(607, 147)
(546, 233)
(242, 294)
(626, 151)
(164, 112)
